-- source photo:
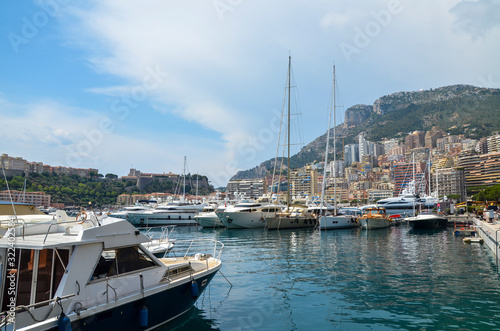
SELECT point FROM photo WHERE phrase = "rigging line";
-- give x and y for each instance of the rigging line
(298, 125)
(279, 138)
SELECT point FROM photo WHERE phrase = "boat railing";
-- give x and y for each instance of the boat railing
(17, 222)
(29, 308)
(190, 245)
(164, 236)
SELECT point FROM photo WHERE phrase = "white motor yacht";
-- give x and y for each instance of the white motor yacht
(207, 218)
(96, 275)
(247, 215)
(122, 213)
(175, 213)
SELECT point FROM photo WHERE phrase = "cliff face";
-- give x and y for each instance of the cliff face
(458, 109)
(356, 115)
(400, 100)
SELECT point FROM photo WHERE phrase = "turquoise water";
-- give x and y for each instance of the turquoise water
(387, 279)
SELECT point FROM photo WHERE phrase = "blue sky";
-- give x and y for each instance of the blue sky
(119, 84)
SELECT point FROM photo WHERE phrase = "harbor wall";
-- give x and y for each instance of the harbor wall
(490, 232)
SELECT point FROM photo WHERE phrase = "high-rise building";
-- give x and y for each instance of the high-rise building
(351, 154)
(480, 169)
(390, 144)
(337, 168)
(482, 146)
(363, 146)
(304, 182)
(493, 143)
(405, 173)
(432, 135)
(415, 139)
(449, 181)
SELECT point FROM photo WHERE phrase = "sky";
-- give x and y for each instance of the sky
(115, 85)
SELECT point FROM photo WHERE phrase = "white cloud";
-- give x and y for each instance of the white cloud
(477, 17)
(224, 71)
(333, 19)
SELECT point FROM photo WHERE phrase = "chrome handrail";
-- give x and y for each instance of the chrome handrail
(217, 252)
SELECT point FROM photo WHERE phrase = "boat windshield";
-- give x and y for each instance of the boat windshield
(121, 260)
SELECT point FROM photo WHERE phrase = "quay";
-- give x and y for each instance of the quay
(489, 232)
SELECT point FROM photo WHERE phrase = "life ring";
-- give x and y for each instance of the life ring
(84, 217)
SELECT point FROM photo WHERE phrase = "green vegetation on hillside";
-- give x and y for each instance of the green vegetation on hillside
(79, 191)
(70, 190)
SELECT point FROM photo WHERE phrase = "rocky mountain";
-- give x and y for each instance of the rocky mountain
(457, 109)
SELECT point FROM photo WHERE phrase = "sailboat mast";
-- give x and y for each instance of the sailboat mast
(334, 150)
(323, 186)
(184, 182)
(288, 160)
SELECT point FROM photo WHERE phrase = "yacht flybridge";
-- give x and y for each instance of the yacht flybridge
(96, 275)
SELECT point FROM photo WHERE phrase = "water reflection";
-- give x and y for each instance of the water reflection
(194, 319)
(390, 279)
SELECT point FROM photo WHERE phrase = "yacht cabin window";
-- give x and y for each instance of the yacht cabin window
(38, 273)
(118, 261)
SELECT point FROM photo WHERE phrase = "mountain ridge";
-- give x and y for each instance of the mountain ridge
(457, 109)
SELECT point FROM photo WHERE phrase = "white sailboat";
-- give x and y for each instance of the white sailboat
(330, 220)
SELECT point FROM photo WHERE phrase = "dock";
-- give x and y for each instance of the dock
(490, 233)
(463, 225)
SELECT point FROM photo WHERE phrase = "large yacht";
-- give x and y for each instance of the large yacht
(174, 213)
(405, 204)
(122, 213)
(247, 215)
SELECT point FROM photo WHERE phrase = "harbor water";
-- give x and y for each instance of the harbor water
(387, 279)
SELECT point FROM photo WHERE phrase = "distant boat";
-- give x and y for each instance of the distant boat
(175, 213)
(405, 204)
(427, 222)
(375, 218)
(122, 213)
(160, 246)
(207, 218)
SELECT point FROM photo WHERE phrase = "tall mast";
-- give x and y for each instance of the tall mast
(334, 151)
(288, 160)
(184, 182)
(326, 151)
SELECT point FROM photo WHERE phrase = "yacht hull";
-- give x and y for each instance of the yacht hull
(159, 219)
(337, 222)
(162, 308)
(427, 222)
(292, 222)
(243, 220)
(209, 221)
(374, 223)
